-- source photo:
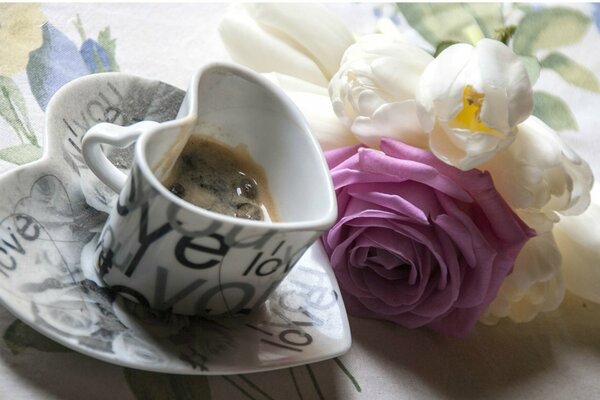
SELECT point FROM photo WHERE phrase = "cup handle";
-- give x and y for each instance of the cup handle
(114, 135)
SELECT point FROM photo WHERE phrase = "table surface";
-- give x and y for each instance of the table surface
(555, 356)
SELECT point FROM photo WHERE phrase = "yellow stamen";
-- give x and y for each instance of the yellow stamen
(469, 117)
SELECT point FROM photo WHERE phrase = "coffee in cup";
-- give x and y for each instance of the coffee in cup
(223, 179)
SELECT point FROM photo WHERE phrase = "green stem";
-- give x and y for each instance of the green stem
(18, 131)
(295, 383)
(30, 136)
(255, 387)
(79, 25)
(348, 374)
(504, 34)
(315, 383)
(238, 387)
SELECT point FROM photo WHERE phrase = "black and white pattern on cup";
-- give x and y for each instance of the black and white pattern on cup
(122, 104)
(136, 224)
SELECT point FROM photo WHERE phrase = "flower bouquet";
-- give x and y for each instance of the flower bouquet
(456, 204)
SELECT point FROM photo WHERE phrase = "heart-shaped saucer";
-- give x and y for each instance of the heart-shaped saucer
(50, 214)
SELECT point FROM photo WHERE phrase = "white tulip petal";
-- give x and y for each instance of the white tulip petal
(539, 171)
(441, 145)
(394, 120)
(371, 46)
(308, 27)
(473, 143)
(313, 101)
(437, 77)
(578, 238)
(463, 149)
(291, 83)
(373, 92)
(367, 102)
(325, 125)
(481, 91)
(539, 221)
(494, 111)
(398, 77)
(539, 143)
(256, 48)
(535, 285)
(452, 102)
(448, 107)
(501, 68)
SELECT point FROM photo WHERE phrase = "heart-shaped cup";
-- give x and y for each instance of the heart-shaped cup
(169, 254)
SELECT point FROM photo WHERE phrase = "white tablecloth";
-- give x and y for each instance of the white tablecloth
(555, 356)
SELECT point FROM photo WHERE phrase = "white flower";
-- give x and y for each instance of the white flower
(304, 40)
(539, 171)
(541, 178)
(313, 101)
(299, 48)
(536, 283)
(373, 92)
(578, 238)
(471, 99)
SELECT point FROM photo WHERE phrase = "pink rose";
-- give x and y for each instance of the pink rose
(418, 242)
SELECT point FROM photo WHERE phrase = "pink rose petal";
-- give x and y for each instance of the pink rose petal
(418, 242)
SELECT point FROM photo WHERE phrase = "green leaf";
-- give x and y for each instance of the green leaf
(19, 336)
(110, 45)
(549, 28)
(79, 26)
(14, 111)
(488, 17)
(553, 111)
(439, 22)
(532, 65)
(572, 72)
(346, 372)
(154, 386)
(443, 46)
(505, 34)
(21, 154)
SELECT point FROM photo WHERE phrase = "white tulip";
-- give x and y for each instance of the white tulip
(541, 178)
(539, 171)
(578, 238)
(313, 101)
(373, 92)
(471, 99)
(304, 40)
(536, 283)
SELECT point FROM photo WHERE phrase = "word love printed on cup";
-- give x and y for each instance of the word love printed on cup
(266, 257)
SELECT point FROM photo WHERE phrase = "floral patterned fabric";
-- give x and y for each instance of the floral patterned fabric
(43, 47)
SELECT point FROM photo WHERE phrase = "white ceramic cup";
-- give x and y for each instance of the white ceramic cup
(168, 254)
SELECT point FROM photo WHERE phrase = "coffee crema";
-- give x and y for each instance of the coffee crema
(222, 179)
